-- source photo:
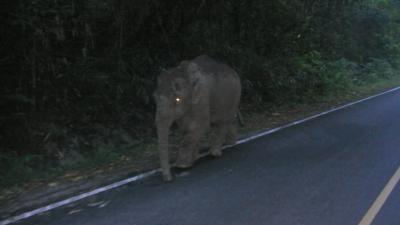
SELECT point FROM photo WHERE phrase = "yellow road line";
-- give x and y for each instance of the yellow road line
(376, 207)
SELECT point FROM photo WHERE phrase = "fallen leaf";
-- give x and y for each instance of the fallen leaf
(53, 184)
(74, 211)
(77, 178)
(95, 203)
(104, 204)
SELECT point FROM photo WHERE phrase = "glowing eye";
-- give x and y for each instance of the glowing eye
(178, 100)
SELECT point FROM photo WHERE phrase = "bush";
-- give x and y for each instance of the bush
(82, 67)
(377, 69)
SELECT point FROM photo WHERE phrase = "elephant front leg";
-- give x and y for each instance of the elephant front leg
(189, 148)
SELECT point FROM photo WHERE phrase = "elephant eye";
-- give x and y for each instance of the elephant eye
(178, 100)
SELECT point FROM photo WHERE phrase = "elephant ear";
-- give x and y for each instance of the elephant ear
(197, 81)
(183, 64)
(178, 83)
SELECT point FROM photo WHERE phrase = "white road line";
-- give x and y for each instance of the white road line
(150, 173)
(309, 118)
(377, 205)
(76, 198)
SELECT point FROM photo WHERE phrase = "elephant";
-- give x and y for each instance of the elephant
(199, 95)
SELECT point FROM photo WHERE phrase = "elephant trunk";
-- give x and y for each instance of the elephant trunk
(163, 127)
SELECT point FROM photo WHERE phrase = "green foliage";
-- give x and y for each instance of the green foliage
(377, 69)
(16, 169)
(75, 70)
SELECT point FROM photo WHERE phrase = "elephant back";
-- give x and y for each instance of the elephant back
(224, 88)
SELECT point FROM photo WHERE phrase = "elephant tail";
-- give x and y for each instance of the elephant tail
(240, 118)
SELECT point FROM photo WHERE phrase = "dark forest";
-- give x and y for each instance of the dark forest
(78, 76)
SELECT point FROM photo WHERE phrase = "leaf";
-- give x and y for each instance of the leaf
(19, 98)
(95, 204)
(53, 184)
(74, 211)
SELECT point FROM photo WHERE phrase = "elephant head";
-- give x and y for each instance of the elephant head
(177, 90)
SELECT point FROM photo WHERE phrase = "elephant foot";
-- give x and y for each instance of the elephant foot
(230, 142)
(167, 177)
(230, 139)
(216, 152)
(183, 164)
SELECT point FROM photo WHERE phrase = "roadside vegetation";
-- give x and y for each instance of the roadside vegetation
(78, 76)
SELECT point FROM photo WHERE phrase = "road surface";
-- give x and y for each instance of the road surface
(326, 171)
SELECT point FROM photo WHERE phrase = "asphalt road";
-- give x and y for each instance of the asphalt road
(326, 171)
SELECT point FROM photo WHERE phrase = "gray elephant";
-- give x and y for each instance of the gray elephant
(198, 95)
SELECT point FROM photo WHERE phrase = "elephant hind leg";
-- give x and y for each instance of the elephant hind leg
(231, 134)
(218, 136)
